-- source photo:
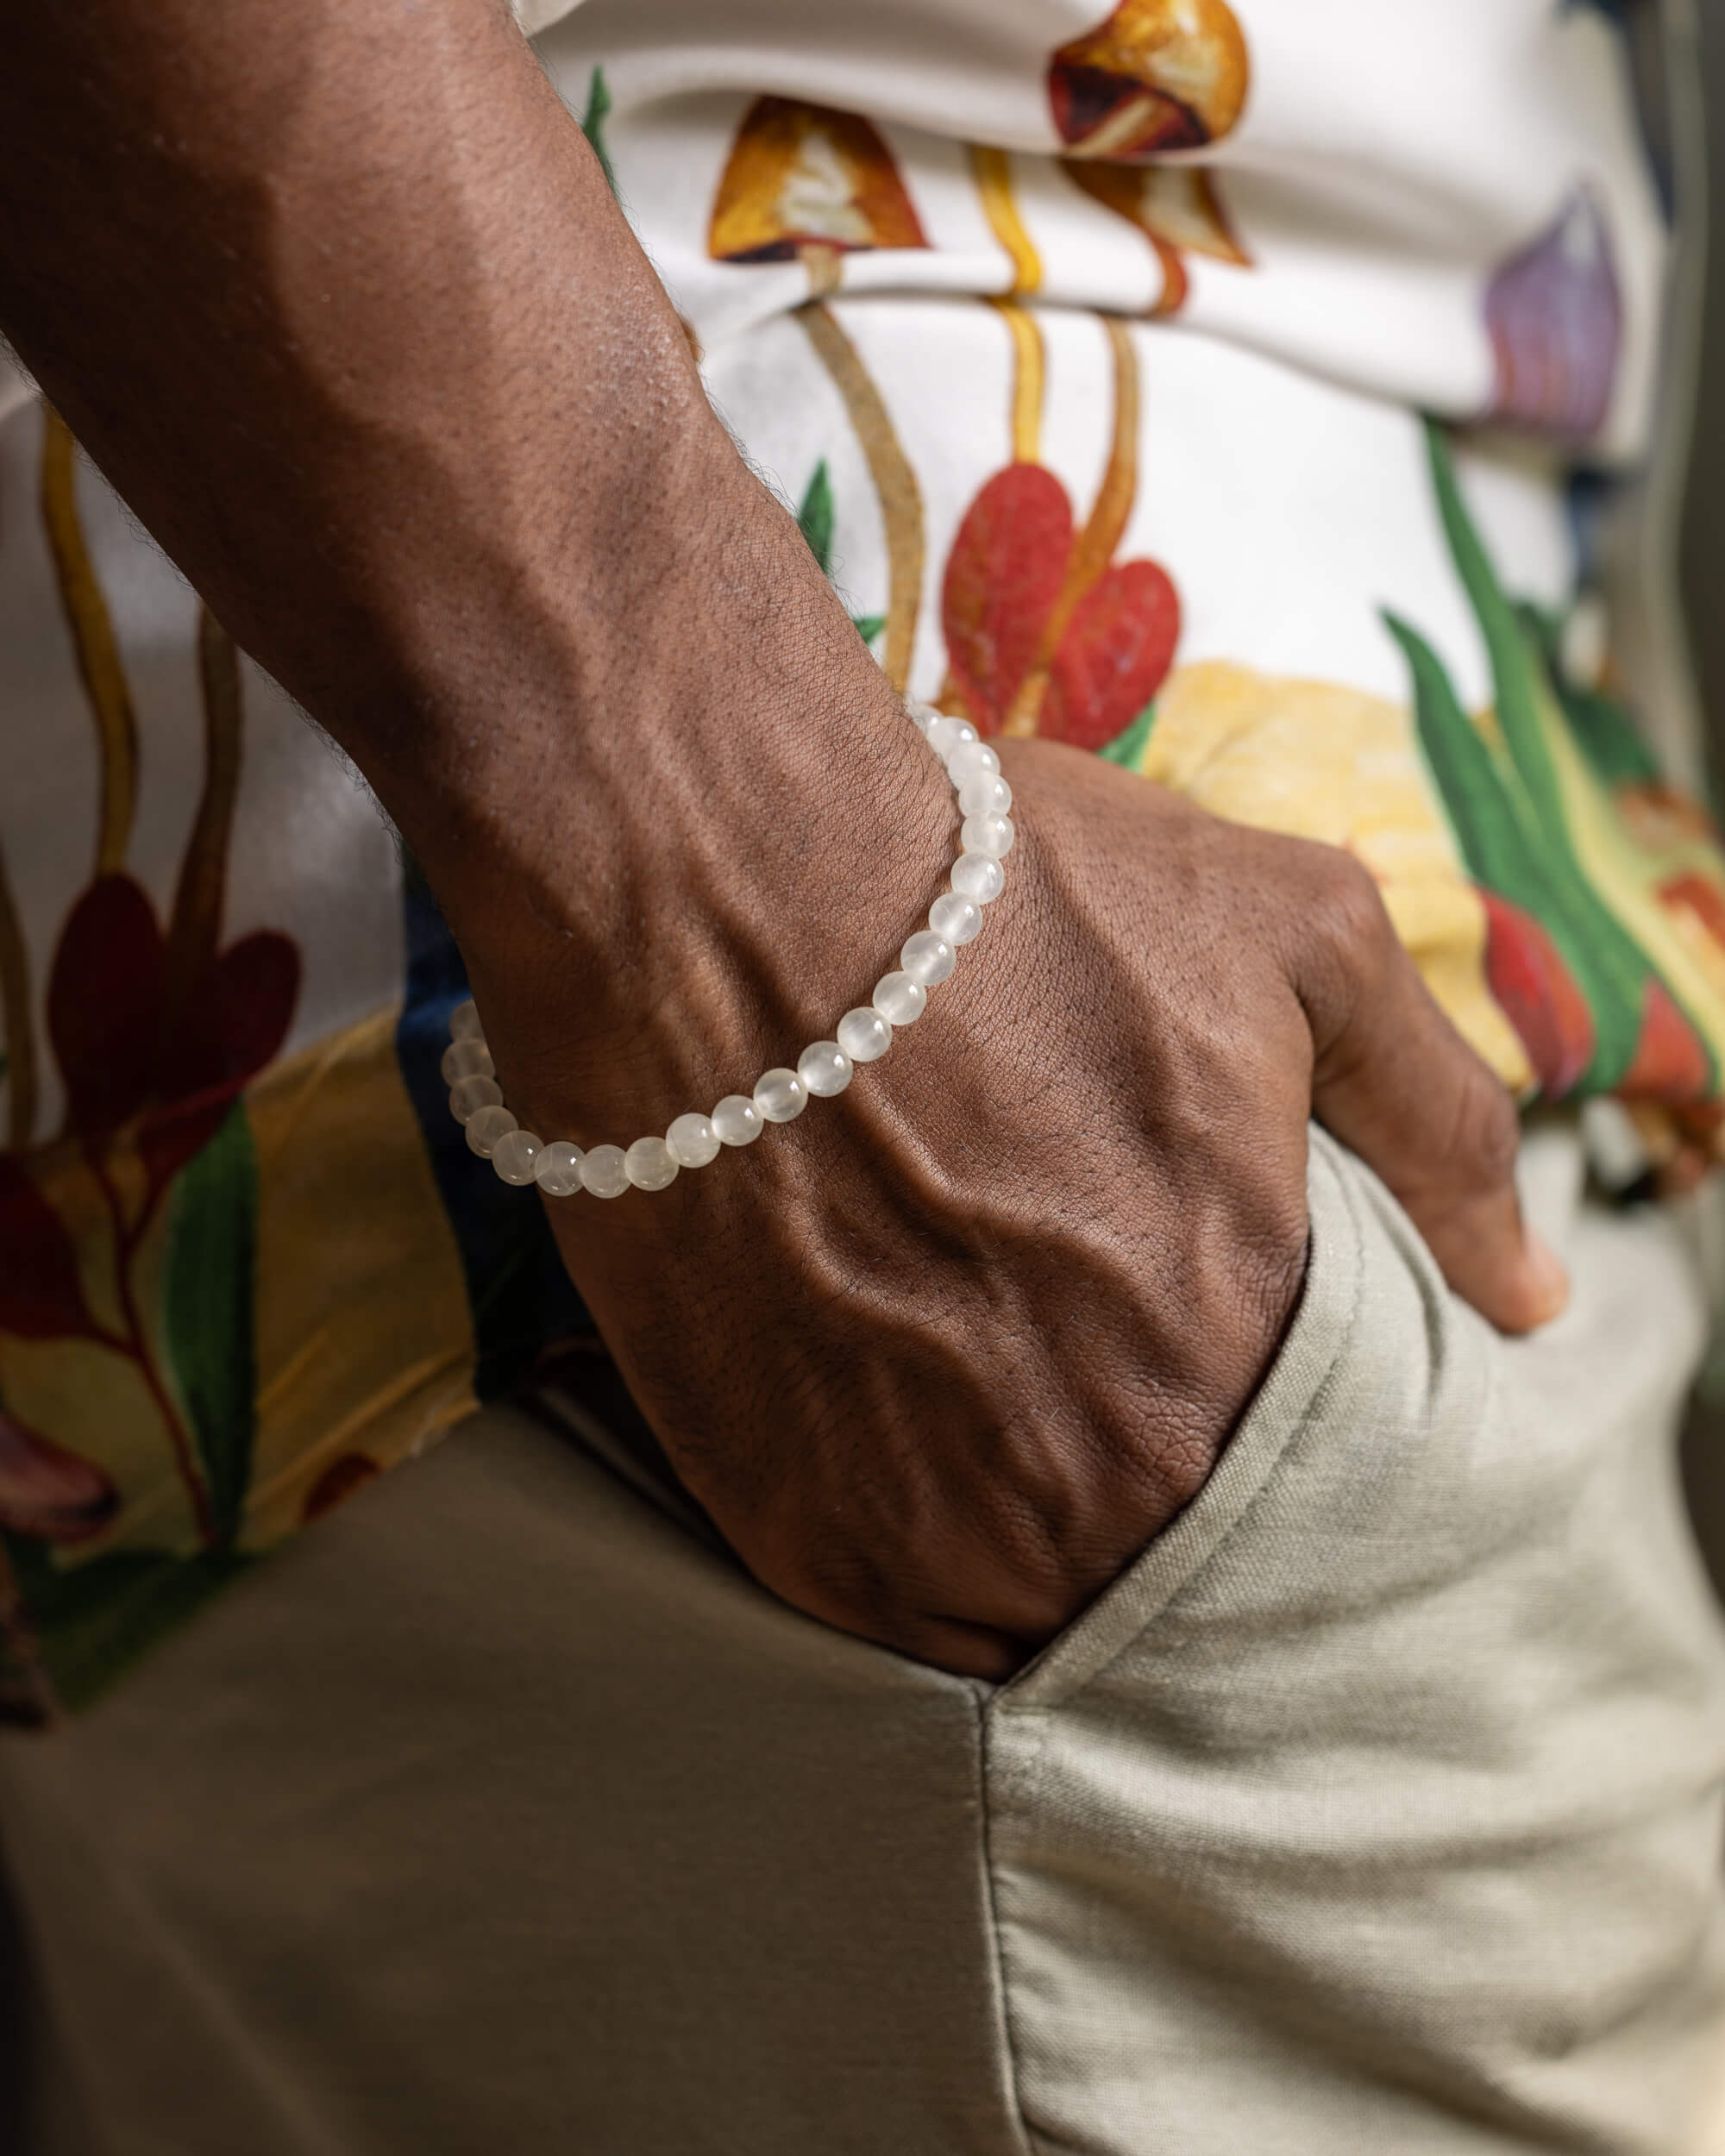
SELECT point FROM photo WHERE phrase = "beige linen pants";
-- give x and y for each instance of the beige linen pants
(1376, 1808)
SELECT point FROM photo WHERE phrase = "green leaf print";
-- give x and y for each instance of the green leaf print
(1611, 965)
(815, 516)
(1502, 844)
(1498, 841)
(1603, 730)
(1127, 747)
(593, 125)
(207, 1310)
(1515, 668)
(815, 520)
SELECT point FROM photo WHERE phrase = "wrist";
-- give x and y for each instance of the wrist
(730, 823)
(823, 1067)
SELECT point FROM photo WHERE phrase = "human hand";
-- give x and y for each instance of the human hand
(942, 1355)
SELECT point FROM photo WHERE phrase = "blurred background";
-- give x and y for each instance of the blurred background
(1703, 548)
(1702, 573)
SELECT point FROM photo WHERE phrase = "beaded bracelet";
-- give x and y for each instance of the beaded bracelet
(824, 1069)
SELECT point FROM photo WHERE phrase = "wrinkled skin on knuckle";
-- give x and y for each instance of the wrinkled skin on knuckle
(1491, 1129)
(1482, 1140)
(1338, 939)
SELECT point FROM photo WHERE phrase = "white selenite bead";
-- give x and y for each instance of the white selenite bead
(464, 1023)
(825, 1068)
(987, 835)
(927, 957)
(864, 1035)
(516, 1156)
(988, 795)
(923, 716)
(945, 734)
(737, 1120)
(465, 1059)
(558, 1169)
(603, 1172)
(978, 876)
(650, 1165)
(487, 1127)
(972, 760)
(955, 917)
(780, 1094)
(899, 998)
(468, 1095)
(693, 1140)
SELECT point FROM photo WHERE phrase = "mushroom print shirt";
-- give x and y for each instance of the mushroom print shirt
(1243, 391)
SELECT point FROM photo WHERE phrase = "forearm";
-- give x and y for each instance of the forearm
(338, 297)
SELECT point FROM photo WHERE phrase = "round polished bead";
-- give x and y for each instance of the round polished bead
(603, 1172)
(649, 1163)
(516, 1156)
(825, 1068)
(465, 1059)
(987, 835)
(737, 1120)
(987, 795)
(957, 919)
(464, 1023)
(693, 1140)
(946, 733)
(899, 998)
(864, 1035)
(486, 1127)
(781, 1095)
(972, 760)
(468, 1095)
(978, 876)
(558, 1169)
(927, 957)
(922, 715)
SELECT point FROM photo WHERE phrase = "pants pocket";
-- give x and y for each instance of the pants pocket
(1290, 1395)
(1376, 1805)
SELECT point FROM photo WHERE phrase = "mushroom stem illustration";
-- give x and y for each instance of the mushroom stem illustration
(18, 1019)
(93, 643)
(895, 484)
(1104, 528)
(195, 926)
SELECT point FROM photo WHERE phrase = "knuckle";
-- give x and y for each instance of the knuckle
(1341, 942)
(1487, 1130)
(1346, 909)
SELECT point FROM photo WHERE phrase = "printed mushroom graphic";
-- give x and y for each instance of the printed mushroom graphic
(1158, 75)
(1178, 209)
(1555, 316)
(804, 183)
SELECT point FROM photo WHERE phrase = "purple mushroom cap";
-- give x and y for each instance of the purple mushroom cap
(1556, 319)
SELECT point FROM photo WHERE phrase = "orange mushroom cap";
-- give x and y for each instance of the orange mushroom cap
(1157, 75)
(802, 175)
